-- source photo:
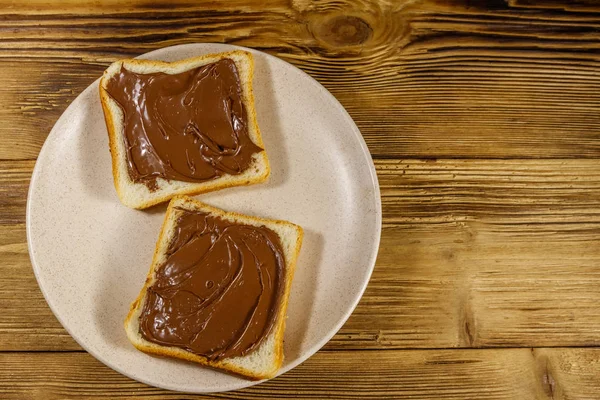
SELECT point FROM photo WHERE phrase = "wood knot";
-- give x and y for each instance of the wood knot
(549, 384)
(343, 30)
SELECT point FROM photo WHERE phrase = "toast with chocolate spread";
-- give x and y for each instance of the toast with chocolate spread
(217, 290)
(185, 127)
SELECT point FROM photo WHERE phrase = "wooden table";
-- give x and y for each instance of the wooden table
(483, 118)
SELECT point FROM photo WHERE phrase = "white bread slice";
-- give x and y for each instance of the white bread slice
(261, 363)
(137, 195)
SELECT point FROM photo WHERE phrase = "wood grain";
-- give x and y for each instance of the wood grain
(14, 183)
(541, 374)
(26, 322)
(422, 79)
(474, 253)
(483, 118)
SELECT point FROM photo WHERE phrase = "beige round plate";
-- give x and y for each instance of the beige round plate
(91, 254)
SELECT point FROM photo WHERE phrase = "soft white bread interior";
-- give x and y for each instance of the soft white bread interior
(138, 195)
(261, 363)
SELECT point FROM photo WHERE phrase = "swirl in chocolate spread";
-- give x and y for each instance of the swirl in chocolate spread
(218, 290)
(191, 126)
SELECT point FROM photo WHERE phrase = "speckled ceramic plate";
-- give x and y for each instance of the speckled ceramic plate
(91, 254)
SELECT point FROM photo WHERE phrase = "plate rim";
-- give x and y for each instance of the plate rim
(351, 306)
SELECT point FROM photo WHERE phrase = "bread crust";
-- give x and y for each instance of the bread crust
(120, 174)
(227, 365)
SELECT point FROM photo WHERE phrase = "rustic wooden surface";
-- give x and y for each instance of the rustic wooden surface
(483, 118)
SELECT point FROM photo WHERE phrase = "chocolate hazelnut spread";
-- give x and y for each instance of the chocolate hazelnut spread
(191, 126)
(218, 290)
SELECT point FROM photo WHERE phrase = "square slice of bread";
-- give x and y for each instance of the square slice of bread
(138, 195)
(262, 362)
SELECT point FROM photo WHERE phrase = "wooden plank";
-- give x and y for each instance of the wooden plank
(425, 374)
(421, 79)
(33, 97)
(490, 252)
(27, 323)
(474, 253)
(14, 184)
